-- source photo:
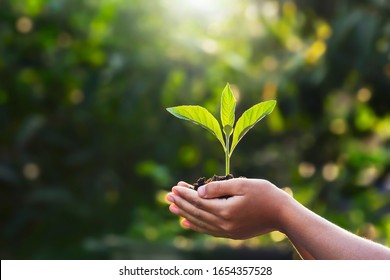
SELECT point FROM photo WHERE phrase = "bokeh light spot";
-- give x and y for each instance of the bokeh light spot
(269, 91)
(315, 51)
(323, 31)
(368, 175)
(209, 46)
(151, 233)
(161, 197)
(364, 94)
(24, 25)
(182, 242)
(235, 243)
(306, 169)
(330, 172)
(269, 9)
(338, 126)
(289, 191)
(368, 231)
(277, 236)
(31, 171)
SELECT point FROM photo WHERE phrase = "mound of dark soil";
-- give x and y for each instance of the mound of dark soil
(202, 180)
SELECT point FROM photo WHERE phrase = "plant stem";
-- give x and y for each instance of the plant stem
(227, 155)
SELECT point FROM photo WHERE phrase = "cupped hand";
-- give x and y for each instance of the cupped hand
(253, 208)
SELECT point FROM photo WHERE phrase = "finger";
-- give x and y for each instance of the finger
(217, 189)
(197, 223)
(190, 205)
(192, 221)
(169, 197)
(188, 194)
(192, 198)
(192, 212)
(188, 224)
(211, 206)
(185, 184)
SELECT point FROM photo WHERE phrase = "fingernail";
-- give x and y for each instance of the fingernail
(202, 191)
(173, 208)
(170, 198)
(185, 223)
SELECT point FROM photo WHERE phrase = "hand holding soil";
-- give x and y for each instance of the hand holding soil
(252, 208)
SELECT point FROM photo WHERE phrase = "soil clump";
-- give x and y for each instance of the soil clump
(202, 180)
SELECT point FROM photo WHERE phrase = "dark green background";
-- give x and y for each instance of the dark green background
(88, 152)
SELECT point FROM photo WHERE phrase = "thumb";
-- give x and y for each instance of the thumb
(220, 188)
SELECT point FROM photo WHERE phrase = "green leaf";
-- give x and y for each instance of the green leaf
(249, 118)
(199, 116)
(228, 106)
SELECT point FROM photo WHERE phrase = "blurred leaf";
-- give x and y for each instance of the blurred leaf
(157, 172)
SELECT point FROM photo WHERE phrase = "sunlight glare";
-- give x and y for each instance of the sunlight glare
(202, 9)
(203, 6)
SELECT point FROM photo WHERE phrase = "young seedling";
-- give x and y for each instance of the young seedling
(201, 116)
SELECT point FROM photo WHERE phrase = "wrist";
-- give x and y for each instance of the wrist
(286, 212)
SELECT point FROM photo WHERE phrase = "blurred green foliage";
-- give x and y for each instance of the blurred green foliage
(88, 152)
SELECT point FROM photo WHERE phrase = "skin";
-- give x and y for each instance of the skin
(258, 207)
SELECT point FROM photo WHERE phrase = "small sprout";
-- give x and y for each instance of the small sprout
(201, 116)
